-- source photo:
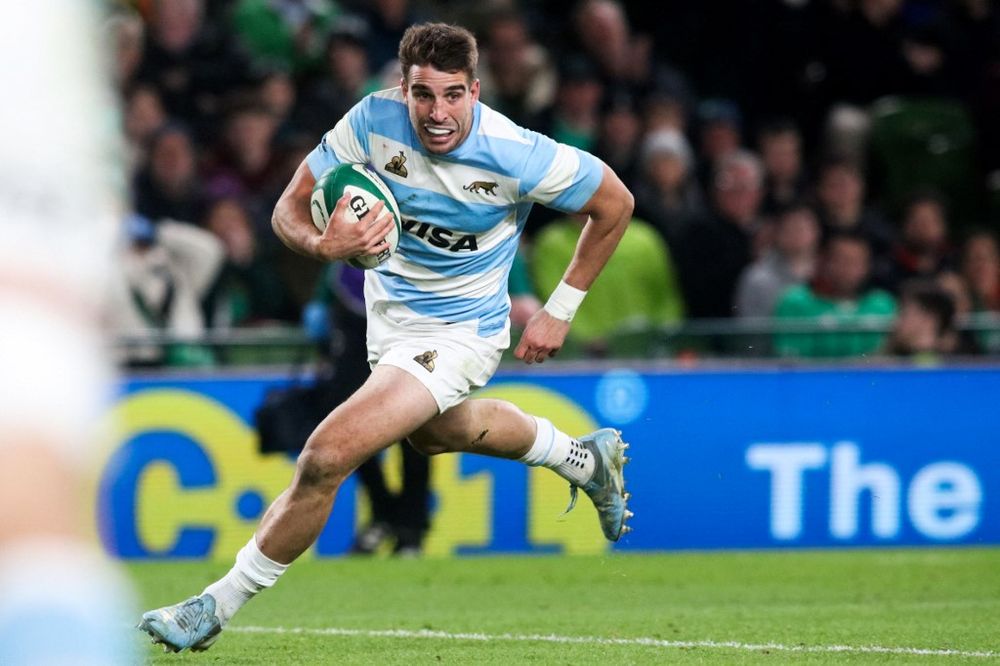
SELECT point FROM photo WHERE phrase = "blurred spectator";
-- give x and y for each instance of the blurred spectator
(720, 133)
(168, 268)
(923, 249)
(248, 290)
(169, 186)
(636, 289)
(288, 34)
(346, 79)
(925, 326)
(277, 94)
(713, 252)
(128, 34)
(519, 79)
(981, 270)
(190, 62)
(837, 297)
(846, 135)
(666, 192)
(958, 290)
(662, 110)
(143, 115)
(386, 21)
(619, 134)
(245, 163)
(840, 204)
(791, 261)
(575, 117)
(785, 179)
(981, 273)
(603, 32)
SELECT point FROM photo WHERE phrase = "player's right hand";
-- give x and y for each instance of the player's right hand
(344, 238)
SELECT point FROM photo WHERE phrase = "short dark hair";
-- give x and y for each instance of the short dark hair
(792, 207)
(445, 47)
(925, 195)
(832, 162)
(845, 236)
(777, 126)
(933, 299)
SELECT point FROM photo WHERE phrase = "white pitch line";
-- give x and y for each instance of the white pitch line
(597, 640)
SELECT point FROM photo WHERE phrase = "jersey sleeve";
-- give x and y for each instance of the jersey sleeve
(560, 176)
(347, 142)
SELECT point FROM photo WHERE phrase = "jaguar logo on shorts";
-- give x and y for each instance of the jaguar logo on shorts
(426, 359)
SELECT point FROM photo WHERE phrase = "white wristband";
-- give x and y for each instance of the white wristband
(564, 301)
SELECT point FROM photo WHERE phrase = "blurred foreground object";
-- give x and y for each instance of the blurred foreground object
(60, 602)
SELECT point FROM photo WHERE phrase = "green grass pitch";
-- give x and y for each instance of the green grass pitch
(913, 606)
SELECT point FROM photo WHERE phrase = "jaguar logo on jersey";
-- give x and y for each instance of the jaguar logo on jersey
(481, 186)
(426, 359)
(442, 238)
(395, 165)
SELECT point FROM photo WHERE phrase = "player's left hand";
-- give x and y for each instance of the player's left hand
(543, 337)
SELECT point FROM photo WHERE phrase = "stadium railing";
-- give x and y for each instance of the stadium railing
(750, 339)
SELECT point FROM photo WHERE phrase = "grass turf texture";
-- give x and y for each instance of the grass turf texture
(932, 599)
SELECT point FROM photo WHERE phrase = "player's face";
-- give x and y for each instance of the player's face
(440, 106)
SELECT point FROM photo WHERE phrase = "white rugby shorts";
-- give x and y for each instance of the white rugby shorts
(451, 360)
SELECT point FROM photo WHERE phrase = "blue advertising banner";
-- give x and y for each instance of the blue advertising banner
(727, 459)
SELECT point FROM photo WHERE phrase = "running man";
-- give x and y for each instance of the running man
(437, 309)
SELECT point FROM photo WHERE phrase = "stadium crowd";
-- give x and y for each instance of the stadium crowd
(823, 160)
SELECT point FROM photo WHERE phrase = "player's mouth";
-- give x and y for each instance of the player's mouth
(439, 134)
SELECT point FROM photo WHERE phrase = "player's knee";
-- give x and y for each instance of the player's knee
(321, 468)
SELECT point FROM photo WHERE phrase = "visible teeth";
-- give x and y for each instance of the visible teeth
(628, 514)
(438, 131)
(627, 496)
(626, 529)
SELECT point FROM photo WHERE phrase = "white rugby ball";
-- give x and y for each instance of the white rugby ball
(365, 189)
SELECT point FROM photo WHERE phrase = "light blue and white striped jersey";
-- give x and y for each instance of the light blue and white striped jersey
(462, 212)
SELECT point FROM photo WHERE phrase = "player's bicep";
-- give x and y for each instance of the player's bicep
(299, 188)
(610, 200)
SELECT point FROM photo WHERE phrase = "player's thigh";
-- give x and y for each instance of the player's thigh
(389, 406)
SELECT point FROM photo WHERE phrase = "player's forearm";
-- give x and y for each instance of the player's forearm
(599, 239)
(294, 229)
(291, 219)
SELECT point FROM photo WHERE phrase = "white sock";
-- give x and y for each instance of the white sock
(559, 452)
(252, 572)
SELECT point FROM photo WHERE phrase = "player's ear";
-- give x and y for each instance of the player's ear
(474, 91)
(404, 87)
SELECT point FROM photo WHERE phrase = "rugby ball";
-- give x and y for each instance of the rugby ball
(365, 189)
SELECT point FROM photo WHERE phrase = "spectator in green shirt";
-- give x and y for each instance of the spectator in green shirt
(837, 298)
(638, 287)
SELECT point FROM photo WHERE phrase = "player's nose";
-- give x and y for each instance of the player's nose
(438, 114)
